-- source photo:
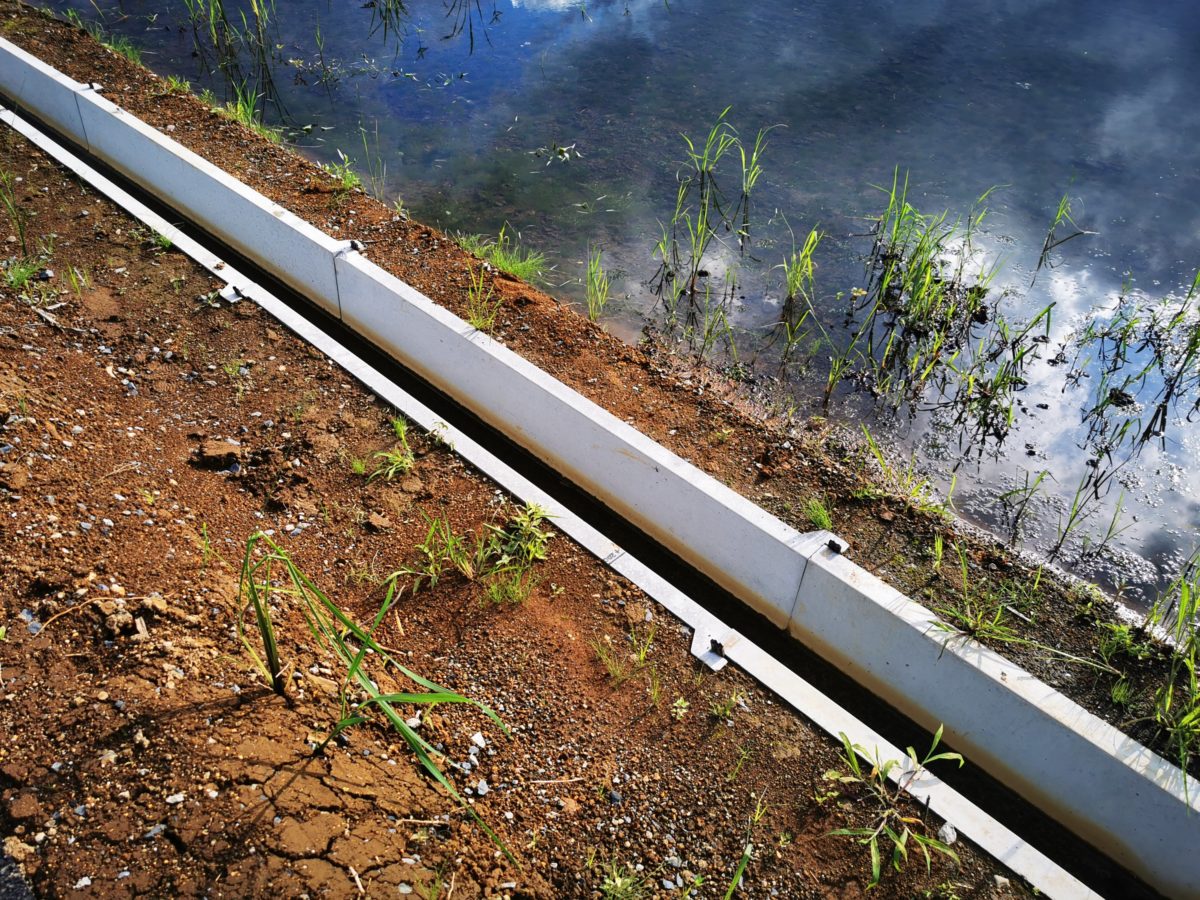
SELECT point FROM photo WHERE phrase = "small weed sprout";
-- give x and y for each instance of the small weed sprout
(816, 513)
(343, 172)
(399, 460)
(177, 85)
(19, 272)
(641, 644)
(394, 462)
(888, 823)
(654, 688)
(504, 253)
(622, 884)
(679, 709)
(482, 306)
(18, 215)
(743, 755)
(722, 710)
(500, 557)
(617, 667)
(358, 466)
(244, 108)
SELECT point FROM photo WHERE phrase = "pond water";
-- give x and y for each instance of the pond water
(562, 122)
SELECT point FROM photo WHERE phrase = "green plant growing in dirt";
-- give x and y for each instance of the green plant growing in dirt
(398, 460)
(744, 754)
(244, 108)
(818, 516)
(722, 710)
(18, 215)
(482, 305)
(343, 172)
(119, 44)
(654, 687)
(615, 663)
(642, 641)
(238, 374)
(173, 84)
(505, 253)
(977, 612)
(885, 783)
(620, 883)
(393, 462)
(366, 662)
(761, 807)
(596, 286)
(18, 273)
(79, 280)
(914, 489)
(679, 709)
(499, 556)
(358, 465)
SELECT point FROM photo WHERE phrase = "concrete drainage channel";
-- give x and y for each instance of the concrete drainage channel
(1104, 787)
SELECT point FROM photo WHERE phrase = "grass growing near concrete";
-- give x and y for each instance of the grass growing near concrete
(505, 253)
(889, 826)
(269, 580)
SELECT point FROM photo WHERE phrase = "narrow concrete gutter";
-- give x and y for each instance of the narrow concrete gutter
(1113, 792)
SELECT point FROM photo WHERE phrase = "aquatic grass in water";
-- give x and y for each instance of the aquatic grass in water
(597, 286)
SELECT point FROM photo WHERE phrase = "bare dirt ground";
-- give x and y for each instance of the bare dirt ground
(149, 434)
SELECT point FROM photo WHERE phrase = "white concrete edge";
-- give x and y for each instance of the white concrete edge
(973, 822)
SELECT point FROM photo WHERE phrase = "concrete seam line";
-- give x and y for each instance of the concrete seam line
(989, 834)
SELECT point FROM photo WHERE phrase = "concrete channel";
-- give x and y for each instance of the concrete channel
(1114, 793)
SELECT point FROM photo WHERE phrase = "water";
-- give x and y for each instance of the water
(563, 121)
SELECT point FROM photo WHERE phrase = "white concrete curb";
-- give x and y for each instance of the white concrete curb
(1124, 799)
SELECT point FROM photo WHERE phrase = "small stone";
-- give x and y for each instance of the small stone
(479, 740)
(482, 788)
(668, 884)
(82, 883)
(947, 834)
(1002, 883)
(176, 799)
